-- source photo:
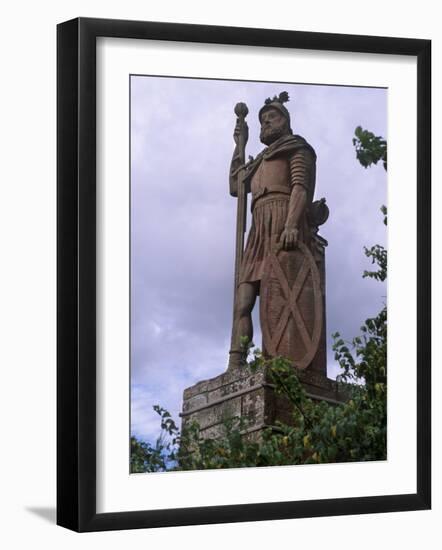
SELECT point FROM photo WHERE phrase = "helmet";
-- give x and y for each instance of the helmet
(276, 103)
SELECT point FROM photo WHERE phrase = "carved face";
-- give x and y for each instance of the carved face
(273, 126)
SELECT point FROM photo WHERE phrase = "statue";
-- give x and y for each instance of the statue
(283, 260)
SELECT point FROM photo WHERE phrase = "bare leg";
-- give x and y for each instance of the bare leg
(242, 321)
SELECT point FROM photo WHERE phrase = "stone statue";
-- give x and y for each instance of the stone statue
(283, 260)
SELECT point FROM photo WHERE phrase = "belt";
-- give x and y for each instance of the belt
(264, 191)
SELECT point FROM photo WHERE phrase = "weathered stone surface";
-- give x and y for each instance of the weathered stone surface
(283, 262)
(241, 393)
(283, 259)
(291, 305)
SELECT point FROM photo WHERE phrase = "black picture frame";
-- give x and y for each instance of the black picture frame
(76, 274)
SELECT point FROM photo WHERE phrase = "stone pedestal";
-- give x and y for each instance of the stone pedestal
(241, 393)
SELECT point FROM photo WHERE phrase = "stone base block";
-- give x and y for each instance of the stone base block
(242, 393)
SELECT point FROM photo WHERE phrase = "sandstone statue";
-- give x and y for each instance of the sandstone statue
(282, 262)
(283, 259)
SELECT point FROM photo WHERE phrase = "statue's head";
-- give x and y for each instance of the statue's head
(274, 119)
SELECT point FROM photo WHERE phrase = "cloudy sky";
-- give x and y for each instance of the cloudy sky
(183, 223)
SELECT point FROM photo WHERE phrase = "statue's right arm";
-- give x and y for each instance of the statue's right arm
(235, 165)
(237, 162)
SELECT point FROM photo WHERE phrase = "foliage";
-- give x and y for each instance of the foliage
(145, 457)
(370, 149)
(354, 430)
(378, 255)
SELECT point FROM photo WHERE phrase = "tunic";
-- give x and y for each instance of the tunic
(288, 162)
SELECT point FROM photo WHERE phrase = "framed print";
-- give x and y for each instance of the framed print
(225, 187)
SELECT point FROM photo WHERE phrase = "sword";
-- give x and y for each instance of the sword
(241, 110)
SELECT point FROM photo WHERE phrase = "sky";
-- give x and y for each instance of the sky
(183, 223)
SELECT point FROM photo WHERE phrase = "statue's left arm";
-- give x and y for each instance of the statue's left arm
(302, 163)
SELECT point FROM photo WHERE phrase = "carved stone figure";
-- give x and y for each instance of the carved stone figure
(283, 260)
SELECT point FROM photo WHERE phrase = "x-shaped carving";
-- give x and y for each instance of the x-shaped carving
(291, 305)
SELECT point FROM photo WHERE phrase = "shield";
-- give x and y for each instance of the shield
(291, 305)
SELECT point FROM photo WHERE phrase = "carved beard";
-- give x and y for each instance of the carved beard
(270, 135)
